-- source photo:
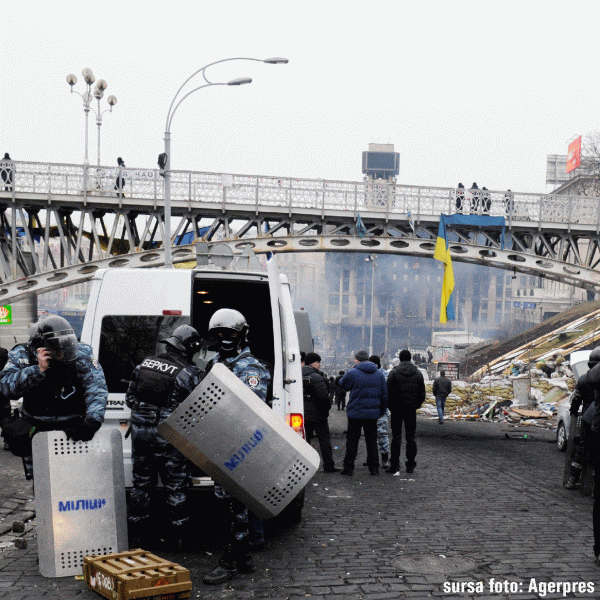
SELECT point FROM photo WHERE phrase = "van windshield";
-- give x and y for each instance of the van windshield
(126, 340)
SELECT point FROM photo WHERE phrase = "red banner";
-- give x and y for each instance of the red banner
(574, 156)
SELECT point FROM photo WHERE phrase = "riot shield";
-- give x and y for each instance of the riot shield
(231, 434)
(79, 499)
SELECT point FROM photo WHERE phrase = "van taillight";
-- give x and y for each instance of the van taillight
(174, 313)
(296, 422)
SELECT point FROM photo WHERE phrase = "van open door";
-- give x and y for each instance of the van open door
(288, 399)
(288, 372)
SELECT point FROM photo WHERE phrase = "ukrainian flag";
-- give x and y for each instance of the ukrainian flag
(442, 253)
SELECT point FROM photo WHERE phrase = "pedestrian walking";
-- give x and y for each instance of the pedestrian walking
(6, 169)
(62, 386)
(157, 387)
(228, 329)
(368, 402)
(406, 393)
(441, 389)
(317, 404)
(340, 392)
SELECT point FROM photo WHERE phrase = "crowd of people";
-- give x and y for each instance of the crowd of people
(63, 387)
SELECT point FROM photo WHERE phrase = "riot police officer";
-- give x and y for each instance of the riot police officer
(583, 397)
(228, 331)
(62, 386)
(158, 385)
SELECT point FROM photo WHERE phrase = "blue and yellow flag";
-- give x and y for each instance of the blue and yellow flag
(442, 253)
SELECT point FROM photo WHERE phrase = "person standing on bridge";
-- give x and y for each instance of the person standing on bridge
(6, 168)
(460, 198)
(120, 182)
(475, 195)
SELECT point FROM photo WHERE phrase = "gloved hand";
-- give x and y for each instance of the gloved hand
(84, 432)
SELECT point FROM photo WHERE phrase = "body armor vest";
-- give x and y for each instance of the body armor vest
(59, 394)
(157, 378)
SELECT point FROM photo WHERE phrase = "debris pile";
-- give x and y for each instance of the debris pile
(525, 399)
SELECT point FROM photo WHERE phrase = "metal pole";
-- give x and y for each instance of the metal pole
(98, 122)
(372, 301)
(167, 224)
(86, 109)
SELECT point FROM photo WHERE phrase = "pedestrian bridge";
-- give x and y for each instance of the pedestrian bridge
(62, 222)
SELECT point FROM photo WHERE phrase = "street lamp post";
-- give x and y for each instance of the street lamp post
(371, 258)
(164, 160)
(88, 77)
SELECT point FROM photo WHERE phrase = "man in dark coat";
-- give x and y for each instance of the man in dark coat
(340, 393)
(317, 403)
(441, 389)
(368, 401)
(406, 393)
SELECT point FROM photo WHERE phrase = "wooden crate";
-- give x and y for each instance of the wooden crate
(136, 574)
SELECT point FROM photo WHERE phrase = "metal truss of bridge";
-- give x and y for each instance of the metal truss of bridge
(61, 223)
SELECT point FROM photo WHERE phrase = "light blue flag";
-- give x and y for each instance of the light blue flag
(360, 228)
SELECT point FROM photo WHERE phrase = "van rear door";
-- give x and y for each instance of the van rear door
(287, 381)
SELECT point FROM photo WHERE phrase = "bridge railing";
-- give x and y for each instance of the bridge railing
(282, 193)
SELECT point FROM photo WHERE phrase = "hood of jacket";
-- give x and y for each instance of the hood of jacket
(366, 366)
(407, 369)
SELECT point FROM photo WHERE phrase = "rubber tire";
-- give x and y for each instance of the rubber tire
(561, 437)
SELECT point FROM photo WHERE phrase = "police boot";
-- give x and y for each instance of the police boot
(224, 571)
(573, 479)
(385, 460)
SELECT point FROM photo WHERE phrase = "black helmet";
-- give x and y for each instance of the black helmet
(56, 335)
(185, 339)
(594, 357)
(229, 330)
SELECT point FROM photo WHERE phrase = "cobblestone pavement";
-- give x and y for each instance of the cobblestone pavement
(483, 516)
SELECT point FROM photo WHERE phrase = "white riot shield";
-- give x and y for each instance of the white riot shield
(231, 434)
(79, 499)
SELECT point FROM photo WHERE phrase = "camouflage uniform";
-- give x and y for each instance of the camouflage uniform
(59, 398)
(257, 377)
(153, 456)
(383, 440)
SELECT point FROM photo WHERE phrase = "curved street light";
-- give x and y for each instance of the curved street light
(87, 96)
(164, 160)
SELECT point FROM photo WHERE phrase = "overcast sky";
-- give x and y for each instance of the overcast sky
(466, 91)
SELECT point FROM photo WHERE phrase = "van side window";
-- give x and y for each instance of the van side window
(126, 340)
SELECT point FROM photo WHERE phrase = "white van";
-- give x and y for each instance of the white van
(130, 310)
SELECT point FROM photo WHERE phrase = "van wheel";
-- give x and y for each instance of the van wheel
(561, 437)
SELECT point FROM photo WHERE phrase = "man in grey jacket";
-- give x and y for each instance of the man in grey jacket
(441, 389)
